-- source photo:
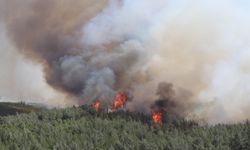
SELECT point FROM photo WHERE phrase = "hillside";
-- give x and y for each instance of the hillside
(8, 108)
(83, 128)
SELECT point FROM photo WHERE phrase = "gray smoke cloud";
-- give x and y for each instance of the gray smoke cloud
(50, 32)
(193, 53)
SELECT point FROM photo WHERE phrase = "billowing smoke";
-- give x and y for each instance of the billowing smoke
(195, 54)
(174, 101)
(166, 101)
(50, 33)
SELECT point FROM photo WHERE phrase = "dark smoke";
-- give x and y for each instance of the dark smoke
(49, 34)
(90, 49)
(43, 34)
(173, 102)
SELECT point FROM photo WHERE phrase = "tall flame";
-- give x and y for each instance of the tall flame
(157, 118)
(97, 105)
(120, 101)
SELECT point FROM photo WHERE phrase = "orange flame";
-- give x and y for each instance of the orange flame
(120, 101)
(157, 118)
(97, 105)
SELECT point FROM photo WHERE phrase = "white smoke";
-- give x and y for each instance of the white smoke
(202, 46)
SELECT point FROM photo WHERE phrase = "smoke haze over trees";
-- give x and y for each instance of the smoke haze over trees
(83, 50)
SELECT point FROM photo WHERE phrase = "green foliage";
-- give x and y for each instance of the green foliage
(84, 128)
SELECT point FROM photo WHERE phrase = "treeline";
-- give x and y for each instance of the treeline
(8, 108)
(84, 128)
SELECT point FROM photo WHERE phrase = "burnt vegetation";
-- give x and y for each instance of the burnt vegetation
(85, 128)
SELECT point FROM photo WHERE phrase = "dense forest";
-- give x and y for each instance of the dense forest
(83, 128)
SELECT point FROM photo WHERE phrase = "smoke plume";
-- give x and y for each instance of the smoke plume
(194, 54)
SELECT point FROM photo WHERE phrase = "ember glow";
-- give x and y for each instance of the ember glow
(97, 105)
(157, 118)
(120, 101)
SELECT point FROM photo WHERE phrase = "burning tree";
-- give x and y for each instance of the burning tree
(97, 105)
(157, 118)
(120, 101)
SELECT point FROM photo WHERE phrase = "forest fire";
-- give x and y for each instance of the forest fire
(120, 101)
(157, 118)
(97, 105)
